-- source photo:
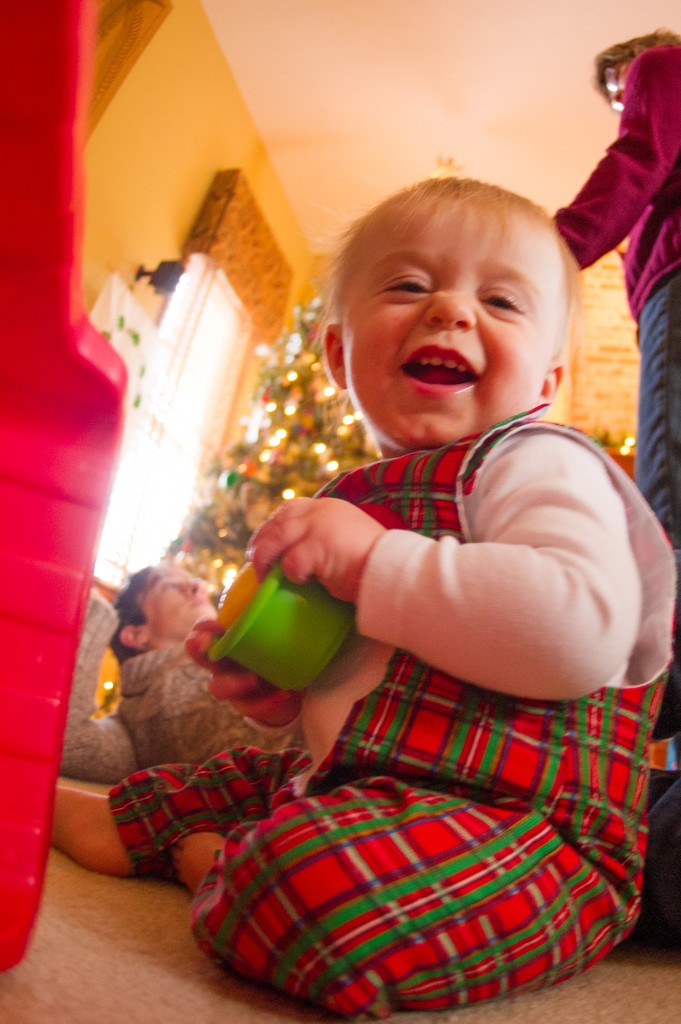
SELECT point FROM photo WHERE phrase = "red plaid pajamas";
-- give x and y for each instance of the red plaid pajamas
(456, 844)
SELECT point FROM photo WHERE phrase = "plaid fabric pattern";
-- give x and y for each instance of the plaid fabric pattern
(456, 845)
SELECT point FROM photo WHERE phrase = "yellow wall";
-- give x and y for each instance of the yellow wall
(176, 120)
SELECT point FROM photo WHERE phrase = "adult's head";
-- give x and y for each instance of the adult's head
(157, 607)
(612, 64)
(449, 306)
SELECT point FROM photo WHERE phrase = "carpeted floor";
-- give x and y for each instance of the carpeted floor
(119, 951)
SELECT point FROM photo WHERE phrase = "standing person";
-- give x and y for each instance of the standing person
(470, 819)
(165, 711)
(635, 192)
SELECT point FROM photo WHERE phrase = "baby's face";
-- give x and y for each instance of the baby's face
(450, 325)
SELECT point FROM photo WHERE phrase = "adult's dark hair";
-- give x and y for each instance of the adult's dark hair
(623, 53)
(129, 609)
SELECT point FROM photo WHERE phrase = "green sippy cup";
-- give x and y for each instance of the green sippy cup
(285, 632)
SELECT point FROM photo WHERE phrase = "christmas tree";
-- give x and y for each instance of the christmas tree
(299, 435)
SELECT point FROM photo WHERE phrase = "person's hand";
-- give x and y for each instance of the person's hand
(247, 692)
(194, 855)
(325, 538)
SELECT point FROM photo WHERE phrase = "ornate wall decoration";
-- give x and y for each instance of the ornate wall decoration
(124, 28)
(231, 229)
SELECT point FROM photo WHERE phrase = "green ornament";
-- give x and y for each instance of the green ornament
(229, 478)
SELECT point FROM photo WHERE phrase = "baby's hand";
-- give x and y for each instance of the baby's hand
(325, 538)
(247, 692)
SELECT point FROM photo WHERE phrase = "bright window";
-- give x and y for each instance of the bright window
(182, 381)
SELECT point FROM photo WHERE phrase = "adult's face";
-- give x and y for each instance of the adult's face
(171, 604)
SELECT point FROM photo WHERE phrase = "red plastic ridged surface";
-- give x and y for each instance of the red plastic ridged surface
(61, 388)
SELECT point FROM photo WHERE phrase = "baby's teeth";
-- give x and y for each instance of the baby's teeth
(449, 364)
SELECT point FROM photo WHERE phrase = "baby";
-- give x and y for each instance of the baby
(468, 820)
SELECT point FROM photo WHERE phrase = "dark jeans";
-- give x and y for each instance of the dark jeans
(658, 439)
(669, 720)
(658, 475)
(660, 920)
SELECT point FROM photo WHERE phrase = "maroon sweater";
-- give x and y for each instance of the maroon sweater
(635, 190)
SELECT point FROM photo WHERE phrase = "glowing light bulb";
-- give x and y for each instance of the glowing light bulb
(288, 494)
(332, 465)
(319, 448)
(289, 410)
(229, 576)
(329, 392)
(265, 456)
(270, 407)
(291, 376)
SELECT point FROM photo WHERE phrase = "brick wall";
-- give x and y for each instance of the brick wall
(603, 379)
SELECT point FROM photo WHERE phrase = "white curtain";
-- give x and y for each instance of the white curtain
(182, 380)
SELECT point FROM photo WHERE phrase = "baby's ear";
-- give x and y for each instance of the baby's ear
(333, 350)
(552, 382)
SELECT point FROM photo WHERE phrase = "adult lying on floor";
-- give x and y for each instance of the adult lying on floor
(165, 712)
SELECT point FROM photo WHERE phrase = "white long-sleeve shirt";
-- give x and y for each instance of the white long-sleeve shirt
(565, 584)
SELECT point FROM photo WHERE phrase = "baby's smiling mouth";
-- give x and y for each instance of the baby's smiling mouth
(447, 368)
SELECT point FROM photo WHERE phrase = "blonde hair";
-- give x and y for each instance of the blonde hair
(429, 196)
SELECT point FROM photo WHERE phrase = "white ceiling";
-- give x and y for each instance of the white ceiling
(355, 98)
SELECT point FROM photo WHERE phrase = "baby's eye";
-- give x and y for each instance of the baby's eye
(503, 302)
(414, 287)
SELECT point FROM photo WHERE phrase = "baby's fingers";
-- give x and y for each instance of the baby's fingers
(284, 530)
(200, 639)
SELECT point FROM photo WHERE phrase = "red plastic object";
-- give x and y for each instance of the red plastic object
(61, 388)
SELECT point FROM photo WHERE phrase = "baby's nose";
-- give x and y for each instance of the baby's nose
(451, 309)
